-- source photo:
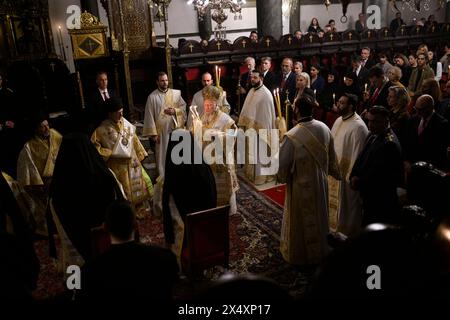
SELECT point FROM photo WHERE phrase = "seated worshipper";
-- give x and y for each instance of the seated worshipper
(219, 125)
(19, 265)
(188, 187)
(378, 170)
(35, 168)
(307, 157)
(394, 75)
(82, 188)
(129, 271)
(118, 144)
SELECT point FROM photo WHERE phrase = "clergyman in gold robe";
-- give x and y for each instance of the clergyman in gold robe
(35, 167)
(117, 142)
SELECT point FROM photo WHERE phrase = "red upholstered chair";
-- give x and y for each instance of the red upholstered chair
(207, 240)
(192, 74)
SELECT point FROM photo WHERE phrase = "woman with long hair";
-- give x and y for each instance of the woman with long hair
(314, 26)
(398, 101)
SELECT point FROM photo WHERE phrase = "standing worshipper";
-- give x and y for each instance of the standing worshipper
(349, 133)
(82, 188)
(287, 81)
(197, 100)
(257, 113)
(245, 84)
(188, 187)
(267, 75)
(419, 75)
(379, 89)
(307, 157)
(378, 170)
(165, 111)
(35, 167)
(96, 102)
(116, 141)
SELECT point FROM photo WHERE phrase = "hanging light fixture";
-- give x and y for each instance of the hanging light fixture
(218, 14)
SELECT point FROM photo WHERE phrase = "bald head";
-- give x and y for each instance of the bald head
(425, 105)
(286, 65)
(250, 62)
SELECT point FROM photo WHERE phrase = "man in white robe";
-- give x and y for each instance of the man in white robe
(306, 158)
(165, 111)
(349, 133)
(197, 100)
(257, 113)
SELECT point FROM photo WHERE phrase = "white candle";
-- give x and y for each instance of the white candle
(334, 97)
(365, 87)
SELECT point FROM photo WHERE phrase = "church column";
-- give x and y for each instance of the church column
(294, 18)
(90, 6)
(383, 5)
(205, 26)
(447, 11)
(269, 19)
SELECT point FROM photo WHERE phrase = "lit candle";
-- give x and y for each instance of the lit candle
(61, 44)
(365, 87)
(449, 70)
(314, 93)
(334, 98)
(217, 77)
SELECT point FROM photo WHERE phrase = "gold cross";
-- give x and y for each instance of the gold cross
(218, 45)
(403, 31)
(350, 36)
(368, 34)
(190, 46)
(417, 29)
(289, 40)
(243, 43)
(310, 38)
(432, 29)
(268, 42)
(331, 37)
(385, 32)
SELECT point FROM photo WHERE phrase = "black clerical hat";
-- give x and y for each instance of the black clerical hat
(114, 104)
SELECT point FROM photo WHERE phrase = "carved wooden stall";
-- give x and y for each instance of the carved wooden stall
(334, 50)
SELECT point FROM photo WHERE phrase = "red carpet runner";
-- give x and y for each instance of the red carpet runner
(276, 194)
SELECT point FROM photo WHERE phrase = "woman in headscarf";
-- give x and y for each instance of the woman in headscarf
(328, 96)
(188, 187)
(81, 190)
(116, 141)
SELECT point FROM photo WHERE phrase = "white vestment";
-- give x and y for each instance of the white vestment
(257, 113)
(345, 204)
(306, 158)
(156, 122)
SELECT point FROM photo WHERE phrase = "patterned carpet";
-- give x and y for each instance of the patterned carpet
(254, 248)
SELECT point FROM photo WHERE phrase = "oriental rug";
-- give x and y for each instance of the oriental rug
(254, 248)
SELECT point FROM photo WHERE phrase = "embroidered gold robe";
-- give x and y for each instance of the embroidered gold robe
(128, 170)
(35, 167)
(306, 158)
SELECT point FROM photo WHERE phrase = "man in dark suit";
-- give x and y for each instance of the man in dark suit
(378, 170)
(396, 23)
(245, 82)
(361, 25)
(269, 79)
(362, 74)
(366, 61)
(129, 271)
(379, 89)
(287, 80)
(96, 112)
(428, 136)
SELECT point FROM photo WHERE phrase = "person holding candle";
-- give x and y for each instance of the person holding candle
(198, 100)
(328, 96)
(258, 112)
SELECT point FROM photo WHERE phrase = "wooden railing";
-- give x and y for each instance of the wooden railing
(193, 53)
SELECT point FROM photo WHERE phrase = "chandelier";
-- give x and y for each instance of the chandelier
(287, 6)
(218, 14)
(414, 5)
